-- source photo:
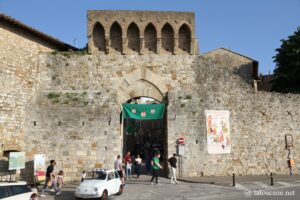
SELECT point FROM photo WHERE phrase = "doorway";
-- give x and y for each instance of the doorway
(145, 137)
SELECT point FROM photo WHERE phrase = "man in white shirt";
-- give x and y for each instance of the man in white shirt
(118, 168)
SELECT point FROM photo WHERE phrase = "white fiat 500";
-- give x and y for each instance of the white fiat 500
(16, 191)
(103, 184)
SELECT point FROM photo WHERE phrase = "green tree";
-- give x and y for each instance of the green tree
(287, 71)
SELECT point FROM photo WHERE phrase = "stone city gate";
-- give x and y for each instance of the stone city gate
(143, 83)
(67, 105)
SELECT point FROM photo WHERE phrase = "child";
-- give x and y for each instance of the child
(83, 175)
(59, 181)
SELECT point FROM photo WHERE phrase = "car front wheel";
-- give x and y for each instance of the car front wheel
(121, 190)
(104, 195)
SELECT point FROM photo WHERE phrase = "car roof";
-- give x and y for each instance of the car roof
(103, 170)
(12, 183)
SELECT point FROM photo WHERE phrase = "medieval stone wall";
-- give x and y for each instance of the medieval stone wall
(258, 121)
(75, 116)
(18, 73)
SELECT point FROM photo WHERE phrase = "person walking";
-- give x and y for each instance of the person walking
(118, 168)
(155, 167)
(49, 177)
(138, 165)
(128, 162)
(172, 161)
(59, 182)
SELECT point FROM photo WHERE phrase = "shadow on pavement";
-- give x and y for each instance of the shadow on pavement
(65, 195)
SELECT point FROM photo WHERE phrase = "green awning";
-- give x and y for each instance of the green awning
(143, 111)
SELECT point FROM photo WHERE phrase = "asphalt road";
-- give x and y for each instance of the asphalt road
(142, 190)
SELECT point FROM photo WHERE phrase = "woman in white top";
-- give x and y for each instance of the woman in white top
(138, 165)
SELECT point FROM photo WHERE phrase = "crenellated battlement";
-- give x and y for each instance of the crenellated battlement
(141, 32)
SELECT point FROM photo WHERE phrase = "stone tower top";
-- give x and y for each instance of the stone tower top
(141, 32)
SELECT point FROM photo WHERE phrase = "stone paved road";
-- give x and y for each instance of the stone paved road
(142, 190)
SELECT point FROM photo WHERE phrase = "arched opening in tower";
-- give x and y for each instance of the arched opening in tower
(133, 36)
(167, 39)
(184, 39)
(150, 39)
(99, 37)
(116, 38)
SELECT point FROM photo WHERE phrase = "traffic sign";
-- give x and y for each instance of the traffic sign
(180, 140)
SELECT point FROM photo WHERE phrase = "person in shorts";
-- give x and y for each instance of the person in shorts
(118, 168)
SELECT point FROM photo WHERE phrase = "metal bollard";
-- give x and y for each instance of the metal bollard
(233, 179)
(272, 179)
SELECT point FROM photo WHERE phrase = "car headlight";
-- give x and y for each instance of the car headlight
(96, 189)
(78, 188)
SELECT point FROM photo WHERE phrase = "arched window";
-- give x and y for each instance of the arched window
(150, 38)
(184, 39)
(133, 36)
(167, 39)
(116, 38)
(98, 37)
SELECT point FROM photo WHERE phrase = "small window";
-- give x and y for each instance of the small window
(99, 175)
(19, 189)
(111, 176)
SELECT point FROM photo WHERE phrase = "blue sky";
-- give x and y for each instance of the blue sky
(251, 27)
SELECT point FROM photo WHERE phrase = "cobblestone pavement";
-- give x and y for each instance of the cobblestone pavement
(142, 189)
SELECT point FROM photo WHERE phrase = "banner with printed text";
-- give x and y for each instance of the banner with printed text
(218, 131)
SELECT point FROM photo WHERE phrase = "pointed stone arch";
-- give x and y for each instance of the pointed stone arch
(150, 38)
(116, 38)
(99, 37)
(133, 37)
(184, 39)
(141, 82)
(167, 39)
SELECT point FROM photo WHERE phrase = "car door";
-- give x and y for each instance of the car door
(111, 183)
(117, 182)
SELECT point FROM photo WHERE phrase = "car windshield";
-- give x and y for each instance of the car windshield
(100, 175)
